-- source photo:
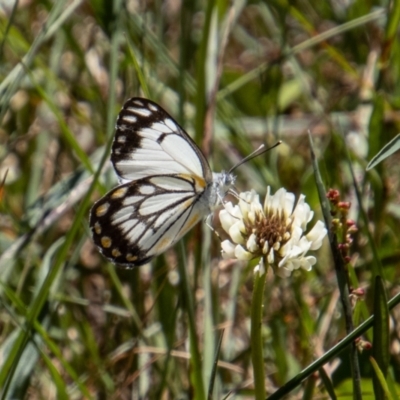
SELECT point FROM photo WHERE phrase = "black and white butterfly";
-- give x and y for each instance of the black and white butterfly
(170, 186)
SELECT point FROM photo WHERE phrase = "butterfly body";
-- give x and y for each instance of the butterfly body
(167, 186)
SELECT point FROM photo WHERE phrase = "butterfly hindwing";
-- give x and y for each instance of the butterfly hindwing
(140, 219)
(148, 141)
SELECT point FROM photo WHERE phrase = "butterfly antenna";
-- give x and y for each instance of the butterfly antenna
(254, 154)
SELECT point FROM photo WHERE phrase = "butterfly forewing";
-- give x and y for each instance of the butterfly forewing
(148, 141)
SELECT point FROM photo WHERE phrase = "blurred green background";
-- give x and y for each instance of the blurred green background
(235, 74)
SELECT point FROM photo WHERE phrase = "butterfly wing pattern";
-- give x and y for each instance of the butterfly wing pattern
(167, 186)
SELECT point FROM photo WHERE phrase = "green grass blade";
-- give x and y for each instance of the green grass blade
(196, 369)
(381, 389)
(380, 345)
(213, 374)
(327, 383)
(385, 152)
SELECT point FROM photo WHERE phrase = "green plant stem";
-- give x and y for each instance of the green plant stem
(257, 357)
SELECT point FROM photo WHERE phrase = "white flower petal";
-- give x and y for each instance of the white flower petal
(276, 246)
(278, 199)
(267, 201)
(260, 267)
(308, 262)
(229, 215)
(271, 257)
(251, 216)
(228, 249)
(256, 207)
(289, 203)
(252, 243)
(226, 220)
(283, 272)
(242, 254)
(235, 232)
(296, 234)
(316, 235)
(304, 244)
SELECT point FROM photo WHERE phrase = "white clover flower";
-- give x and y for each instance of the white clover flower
(275, 232)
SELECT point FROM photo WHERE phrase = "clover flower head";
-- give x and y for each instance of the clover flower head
(275, 231)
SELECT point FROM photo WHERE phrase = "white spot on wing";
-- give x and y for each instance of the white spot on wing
(138, 102)
(152, 107)
(158, 126)
(161, 202)
(164, 216)
(129, 118)
(122, 215)
(165, 237)
(171, 183)
(121, 139)
(149, 144)
(128, 201)
(171, 124)
(149, 133)
(134, 235)
(145, 166)
(147, 189)
(143, 112)
(128, 225)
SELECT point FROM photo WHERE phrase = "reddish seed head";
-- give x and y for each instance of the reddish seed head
(352, 229)
(366, 345)
(358, 292)
(349, 239)
(344, 205)
(333, 195)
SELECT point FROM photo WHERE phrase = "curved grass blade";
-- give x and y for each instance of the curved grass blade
(139, 71)
(380, 347)
(385, 152)
(214, 369)
(381, 389)
(327, 383)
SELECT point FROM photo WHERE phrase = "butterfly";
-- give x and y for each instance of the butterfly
(166, 187)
